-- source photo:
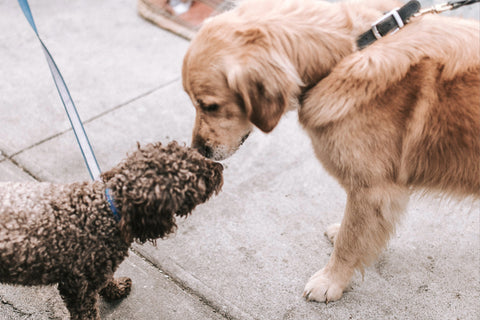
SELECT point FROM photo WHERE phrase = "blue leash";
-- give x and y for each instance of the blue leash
(75, 122)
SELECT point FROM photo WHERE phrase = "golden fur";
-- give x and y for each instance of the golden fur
(403, 113)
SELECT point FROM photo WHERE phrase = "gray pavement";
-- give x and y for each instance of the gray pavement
(247, 253)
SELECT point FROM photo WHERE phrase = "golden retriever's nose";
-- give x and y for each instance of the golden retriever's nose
(206, 151)
(198, 143)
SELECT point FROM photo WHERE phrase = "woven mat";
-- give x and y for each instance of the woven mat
(171, 15)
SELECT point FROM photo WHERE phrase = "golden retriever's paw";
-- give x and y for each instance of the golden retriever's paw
(332, 232)
(322, 288)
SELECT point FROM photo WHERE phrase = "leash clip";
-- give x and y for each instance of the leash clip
(439, 8)
(395, 15)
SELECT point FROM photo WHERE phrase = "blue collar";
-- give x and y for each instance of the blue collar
(116, 214)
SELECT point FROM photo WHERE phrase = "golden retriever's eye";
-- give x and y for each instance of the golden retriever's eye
(210, 107)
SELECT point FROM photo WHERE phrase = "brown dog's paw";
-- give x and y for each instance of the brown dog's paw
(117, 289)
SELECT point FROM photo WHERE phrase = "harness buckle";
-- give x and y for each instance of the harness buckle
(395, 15)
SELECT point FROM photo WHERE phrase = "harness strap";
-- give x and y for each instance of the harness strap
(393, 20)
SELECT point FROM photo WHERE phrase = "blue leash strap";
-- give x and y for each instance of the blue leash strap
(75, 122)
(111, 204)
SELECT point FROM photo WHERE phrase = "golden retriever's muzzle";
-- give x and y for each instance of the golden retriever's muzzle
(215, 152)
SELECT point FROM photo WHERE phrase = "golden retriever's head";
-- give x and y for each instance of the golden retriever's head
(236, 80)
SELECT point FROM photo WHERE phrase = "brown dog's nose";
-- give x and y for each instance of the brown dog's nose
(199, 144)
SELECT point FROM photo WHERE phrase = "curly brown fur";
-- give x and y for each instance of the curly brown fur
(66, 233)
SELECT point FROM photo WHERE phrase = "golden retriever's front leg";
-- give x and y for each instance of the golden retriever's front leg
(332, 232)
(370, 218)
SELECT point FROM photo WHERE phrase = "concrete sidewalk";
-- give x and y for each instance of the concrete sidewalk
(247, 253)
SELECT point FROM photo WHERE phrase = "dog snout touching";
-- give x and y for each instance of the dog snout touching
(200, 145)
(206, 151)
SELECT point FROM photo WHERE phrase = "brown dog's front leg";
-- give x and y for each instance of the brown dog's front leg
(80, 298)
(116, 288)
(369, 220)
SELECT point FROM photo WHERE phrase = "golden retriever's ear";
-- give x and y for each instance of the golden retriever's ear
(264, 108)
(263, 78)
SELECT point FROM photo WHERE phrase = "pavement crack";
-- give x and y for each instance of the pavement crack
(36, 144)
(140, 96)
(91, 119)
(185, 288)
(18, 165)
(14, 309)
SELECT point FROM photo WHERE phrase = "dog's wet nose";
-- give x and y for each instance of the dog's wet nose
(199, 144)
(206, 151)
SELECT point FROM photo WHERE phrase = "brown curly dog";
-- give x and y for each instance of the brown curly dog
(69, 233)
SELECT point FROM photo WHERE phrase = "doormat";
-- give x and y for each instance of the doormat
(182, 17)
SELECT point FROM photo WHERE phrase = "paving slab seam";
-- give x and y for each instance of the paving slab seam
(15, 309)
(38, 143)
(214, 304)
(117, 107)
(126, 103)
(15, 163)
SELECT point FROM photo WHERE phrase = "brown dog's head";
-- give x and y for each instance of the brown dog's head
(156, 183)
(236, 79)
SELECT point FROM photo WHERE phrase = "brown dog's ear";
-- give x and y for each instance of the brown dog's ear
(263, 78)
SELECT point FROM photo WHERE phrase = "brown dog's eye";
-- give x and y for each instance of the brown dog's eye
(210, 108)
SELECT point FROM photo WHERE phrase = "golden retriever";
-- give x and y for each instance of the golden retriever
(401, 114)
